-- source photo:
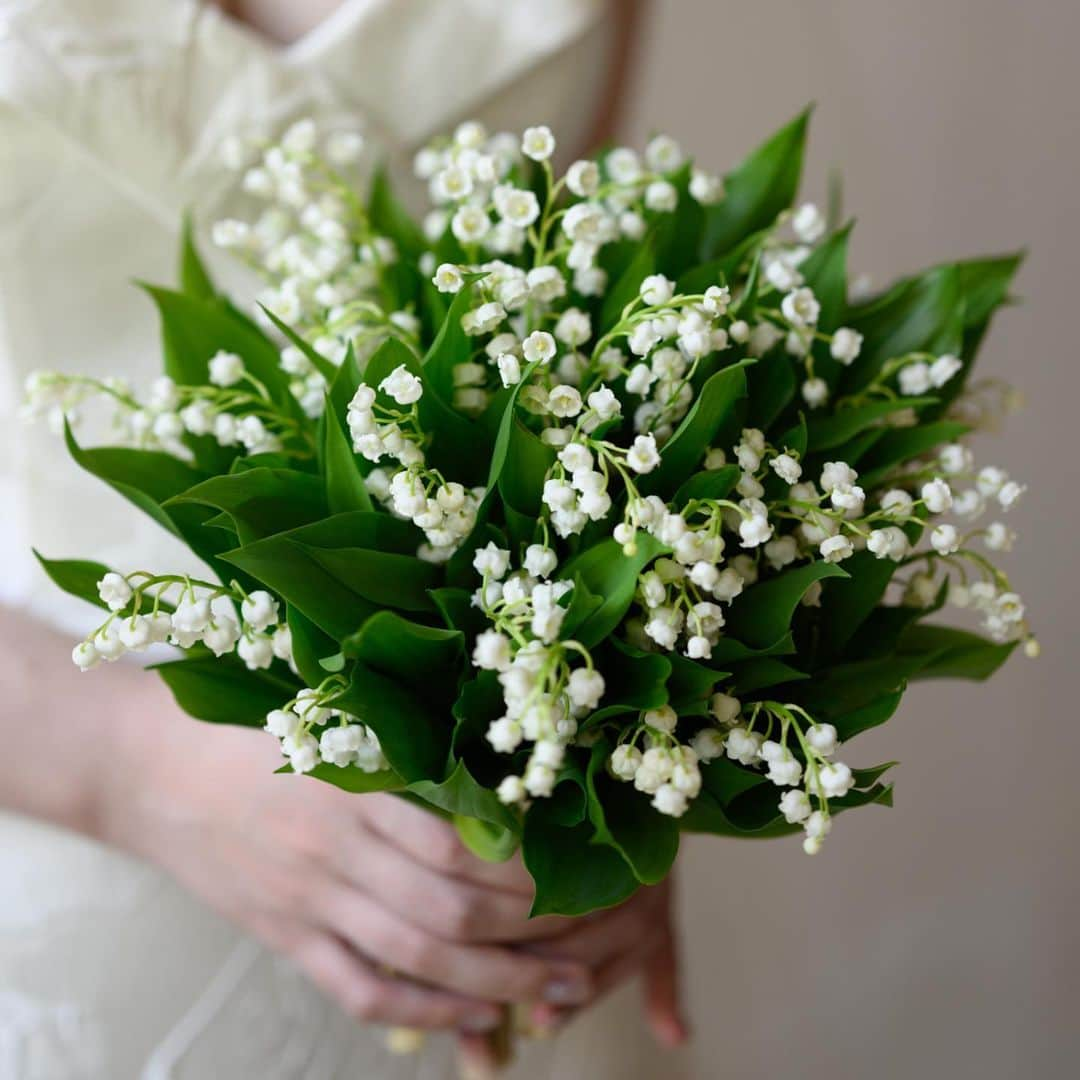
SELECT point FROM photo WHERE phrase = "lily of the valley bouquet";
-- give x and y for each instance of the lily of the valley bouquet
(593, 510)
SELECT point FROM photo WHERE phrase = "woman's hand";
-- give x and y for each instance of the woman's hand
(356, 889)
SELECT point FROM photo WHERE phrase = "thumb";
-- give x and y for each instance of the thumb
(663, 997)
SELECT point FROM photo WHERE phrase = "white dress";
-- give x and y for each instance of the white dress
(112, 115)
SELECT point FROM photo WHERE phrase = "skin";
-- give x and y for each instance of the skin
(375, 899)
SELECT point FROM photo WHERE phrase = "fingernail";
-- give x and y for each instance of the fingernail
(570, 990)
(479, 1023)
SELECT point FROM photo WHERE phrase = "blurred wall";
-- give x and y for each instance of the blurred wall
(937, 939)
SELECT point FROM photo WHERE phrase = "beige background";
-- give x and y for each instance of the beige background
(937, 939)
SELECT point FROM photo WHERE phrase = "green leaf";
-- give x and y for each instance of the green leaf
(755, 193)
(708, 420)
(635, 680)
(771, 387)
(573, 876)
(452, 346)
(193, 330)
(414, 739)
(825, 271)
(326, 368)
(400, 649)
(461, 795)
(77, 577)
(724, 269)
(627, 287)
(624, 818)
(194, 280)
(953, 654)
(223, 691)
(386, 579)
(608, 573)
(345, 488)
(846, 603)
(678, 233)
(762, 613)
(260, 502)
(528, 459)
(310, 646)
(764, 672)
(353, 779)
(390, 218)
(827, 432)
(690, 684)
(898, 445)
(708, 484)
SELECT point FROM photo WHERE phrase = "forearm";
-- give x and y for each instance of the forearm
(69, 738)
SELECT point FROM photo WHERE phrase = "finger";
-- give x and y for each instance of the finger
(483, 971)
(477, 1059)
(663, 1002)
(435, 843)
(611, 933)
(373, 997)
(450, 908)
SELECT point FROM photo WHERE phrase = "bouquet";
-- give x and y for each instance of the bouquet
(592, 509)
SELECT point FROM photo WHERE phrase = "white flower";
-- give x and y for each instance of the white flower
(795, 806)
(656, 290)
(644, 337)
(655, 769)
(492, 560)
(643, 456)
(800, 307)
(836, 548)
(539, 780)
(999, 537)
(564, 401)
(669, 800)
(954, 459)
(784, 769)
(937, 495)
(604, 405)
(448, 278)
(755, 530)
(706, 188)
(846, 345)
(191, 617)
(849, 497)
(822, 737)
(574, 327)
(990, 480)
(538, 143)
(663, 154)
(583, 178)
(539, 560)
(945, 539)
(538, 346)
(282, 723)
(257, 651)
(492, 651)
(781, 275)
(837, 474)
(518, 206)
(623, 165)
(509, 369)
(708, 744)
(744, 746)
(585, 688)
(836, 780)
(808, 223)
(815, 392)
(888, 543)
(85, 656)
(511, 790)
(1009, 494)
(114, 591)
(302, 752)
(663, 719)
(545, 283)
(259, 610)
(404, 387)
(787, 468)
(226, 368)
(914, 379)
(725, 708)
(896, 503)
(943, 369)
(661, 196)
(504, 734)
(625, 761)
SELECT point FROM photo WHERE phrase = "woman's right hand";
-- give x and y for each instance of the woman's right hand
(353, 888)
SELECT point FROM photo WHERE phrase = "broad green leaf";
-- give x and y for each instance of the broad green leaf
(194, 280)
(608, 573)
(708, 484)
(899, 445)
(77, 577)
(345, 488)
(825, 271)
(624, 818)
(260, 502)
(325, 367)
(460, 794)
(353, 779)
(521, 482)
(390, 218)
(414, 739)
(846, 603)
(708, 422)
(194, 329)
(724, 269)
(386, 579)
(771, 386)
(452, 346)
(310, 646)
(953, 654)
(827, 432)
(223, 691)
(582, 604)
(573, 876)
(634, 680)
(627, 287)
(755, 193)
(762, 673)
(677, 233)
(762, 613)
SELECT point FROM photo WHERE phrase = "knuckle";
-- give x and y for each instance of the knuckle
(418, 951)
(460, 916)
(445, 850)
(364, 1001)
